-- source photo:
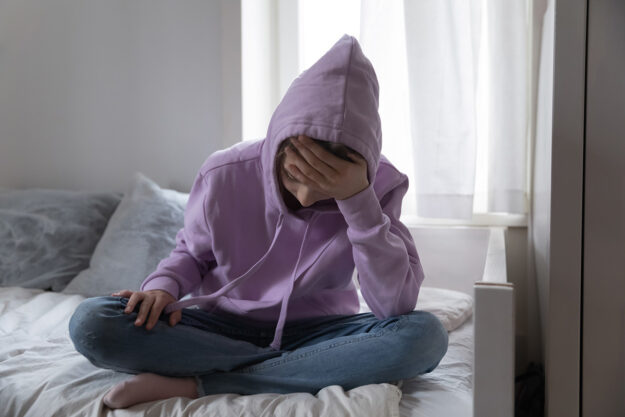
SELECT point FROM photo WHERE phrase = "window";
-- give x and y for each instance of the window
(298, 33)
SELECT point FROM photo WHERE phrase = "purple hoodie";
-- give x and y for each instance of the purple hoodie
(241, 249)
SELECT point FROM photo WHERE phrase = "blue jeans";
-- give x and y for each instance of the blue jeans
(231, 354)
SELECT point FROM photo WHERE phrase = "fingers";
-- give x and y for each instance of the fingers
(300, 177)
(294, 159)
(150, 309)
(303, 173)
(132, 301)
(144, 310)
(155, 313)
(175, 317)
(315, 156)
(123, 293)
(334, 161)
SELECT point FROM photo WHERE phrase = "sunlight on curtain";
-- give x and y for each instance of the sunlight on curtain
(453, 93)
(379, 27)
(321, 24)
(442, 45)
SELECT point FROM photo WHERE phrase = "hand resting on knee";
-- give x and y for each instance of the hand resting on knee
(152, 302)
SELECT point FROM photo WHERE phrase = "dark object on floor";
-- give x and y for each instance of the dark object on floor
(530, 392)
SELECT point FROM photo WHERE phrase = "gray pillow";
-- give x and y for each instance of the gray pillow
(47, 236)
(141, 233)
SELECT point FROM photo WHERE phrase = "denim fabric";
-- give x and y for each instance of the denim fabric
(231, 354)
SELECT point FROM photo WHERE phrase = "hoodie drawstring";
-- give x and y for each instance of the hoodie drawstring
(277, 338)
(232, 284)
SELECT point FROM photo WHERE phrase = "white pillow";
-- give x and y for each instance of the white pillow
(140, 233)
(452, 308)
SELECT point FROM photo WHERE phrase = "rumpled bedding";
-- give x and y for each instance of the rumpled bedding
(41, 374)
(447, 390)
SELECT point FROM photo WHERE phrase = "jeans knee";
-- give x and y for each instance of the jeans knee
(439, 340)
(90, 322)
(426, 341)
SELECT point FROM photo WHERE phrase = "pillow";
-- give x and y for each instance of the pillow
(47, 236)
(451, 307)
(141, 233)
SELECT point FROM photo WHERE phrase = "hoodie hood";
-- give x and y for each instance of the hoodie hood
(335, 100)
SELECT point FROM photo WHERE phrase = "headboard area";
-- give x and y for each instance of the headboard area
(452, 257)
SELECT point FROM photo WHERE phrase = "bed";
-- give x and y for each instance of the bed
(58, 247)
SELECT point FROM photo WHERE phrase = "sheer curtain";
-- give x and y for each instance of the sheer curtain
(454, 79)
(442, 45)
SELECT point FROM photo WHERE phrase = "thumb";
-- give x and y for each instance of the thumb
(175, 317)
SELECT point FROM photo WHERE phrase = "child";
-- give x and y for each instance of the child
(273, 230)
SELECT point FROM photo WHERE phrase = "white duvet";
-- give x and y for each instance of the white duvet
(41, 374)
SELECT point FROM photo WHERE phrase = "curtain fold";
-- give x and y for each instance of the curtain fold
(447, 70)
(383, 40)
(442, 45)
(508, 71)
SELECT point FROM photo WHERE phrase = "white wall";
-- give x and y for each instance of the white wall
(91, 91)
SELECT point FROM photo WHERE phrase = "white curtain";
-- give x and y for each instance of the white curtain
(454, 77)
(465, 64)
(509, 73)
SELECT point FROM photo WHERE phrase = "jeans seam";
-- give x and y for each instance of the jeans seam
(395, 326)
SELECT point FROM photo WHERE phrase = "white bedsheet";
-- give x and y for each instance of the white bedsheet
(448, 389)
(42, 374)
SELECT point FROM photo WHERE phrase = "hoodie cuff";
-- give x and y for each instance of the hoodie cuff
(362, 210)
(162, 283)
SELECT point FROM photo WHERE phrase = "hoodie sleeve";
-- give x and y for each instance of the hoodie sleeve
(388, 266)
(190, 260)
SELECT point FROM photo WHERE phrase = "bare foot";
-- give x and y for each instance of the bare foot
(149, 387)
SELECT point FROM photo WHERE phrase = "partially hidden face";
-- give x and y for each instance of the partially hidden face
(295, 193)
